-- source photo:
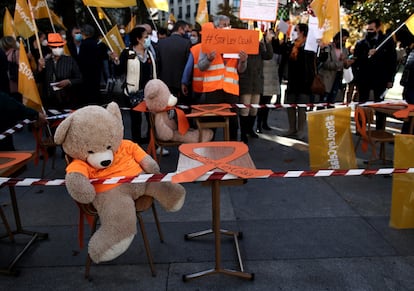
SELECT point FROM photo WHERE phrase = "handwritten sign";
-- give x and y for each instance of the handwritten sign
(264, 10)
(230, 41)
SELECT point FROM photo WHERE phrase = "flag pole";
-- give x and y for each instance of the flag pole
(35, 28)
(50, 17)
(389, 36)
(100, 29)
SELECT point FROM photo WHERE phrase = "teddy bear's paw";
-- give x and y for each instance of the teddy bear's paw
(114, 251)
(177, 199)
(207, 135)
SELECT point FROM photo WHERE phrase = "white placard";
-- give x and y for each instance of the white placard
(265, 10)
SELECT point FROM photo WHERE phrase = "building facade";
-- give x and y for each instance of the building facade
(187, 9)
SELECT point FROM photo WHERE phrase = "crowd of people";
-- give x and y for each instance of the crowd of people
(70, 71)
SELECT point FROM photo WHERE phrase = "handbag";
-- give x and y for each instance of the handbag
(318, 87)
(136, 97)
(348, 75)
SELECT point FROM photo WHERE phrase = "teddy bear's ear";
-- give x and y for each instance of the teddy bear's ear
(62, 130)
(113, 108)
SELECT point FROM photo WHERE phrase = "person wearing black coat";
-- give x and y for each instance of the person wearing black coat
(11, 112)
(374, 67)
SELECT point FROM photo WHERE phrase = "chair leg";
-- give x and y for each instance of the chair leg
(88, 259)
(146, 244)
(157, 222)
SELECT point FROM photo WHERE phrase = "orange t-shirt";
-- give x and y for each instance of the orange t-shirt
(126, 163)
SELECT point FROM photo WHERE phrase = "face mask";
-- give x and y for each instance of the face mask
(170, 27)
(294, 35)
(44, 42)
(122, 31)
(64, 36)
(57, 51)
(187, 35)
(371, 34)
(78, 37)
(17, 44)
(194, 39)
(147, 42)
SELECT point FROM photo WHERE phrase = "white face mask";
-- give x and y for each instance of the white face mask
(57, 51)
(44, 42)
(170, 27)
(122, 31)
(193, 39)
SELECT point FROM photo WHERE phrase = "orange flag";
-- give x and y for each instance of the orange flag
(22, 19)
(131, 24)
(327, 12)
(158, 4)
(202, 12)
(410, 24)
(110, 3)
(56, 20)
(40, 9)
(115, 40)
(8, 24)
(102, 15)
(27, 85)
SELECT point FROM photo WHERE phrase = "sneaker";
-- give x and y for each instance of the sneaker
(165, 152)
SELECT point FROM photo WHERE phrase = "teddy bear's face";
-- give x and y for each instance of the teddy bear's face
(92, 134)
(158, 96)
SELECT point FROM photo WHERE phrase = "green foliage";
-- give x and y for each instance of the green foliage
(390, 12)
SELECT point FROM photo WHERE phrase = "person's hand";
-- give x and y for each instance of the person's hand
(42, 119)
(242, 56)
(184, 89)
(269, 35)
(63, 83)
(114, 57)
(211, 56)
(372, 52)
(42, 64)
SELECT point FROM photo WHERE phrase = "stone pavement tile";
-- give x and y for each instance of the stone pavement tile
(366, 195)
(402, 240)
(312, 238)
(104, 277)
(280, 198)
(337, 274)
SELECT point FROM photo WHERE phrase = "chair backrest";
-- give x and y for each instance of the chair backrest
(154, 141)
(364, 118)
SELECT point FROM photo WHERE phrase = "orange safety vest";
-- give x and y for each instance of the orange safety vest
(219, 75)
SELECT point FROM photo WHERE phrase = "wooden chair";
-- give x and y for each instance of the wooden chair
(364, 121)
(142, 204)
(45, 145)
(158, 143)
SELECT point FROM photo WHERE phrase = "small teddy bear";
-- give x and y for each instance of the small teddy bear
(93, 137)
(160, 102)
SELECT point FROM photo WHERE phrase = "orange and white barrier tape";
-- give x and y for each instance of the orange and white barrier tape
(209, 176)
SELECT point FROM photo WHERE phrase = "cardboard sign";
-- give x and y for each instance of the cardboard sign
(230, 41)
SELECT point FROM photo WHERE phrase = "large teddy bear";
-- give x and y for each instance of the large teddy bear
(93, 137)
(158, 99)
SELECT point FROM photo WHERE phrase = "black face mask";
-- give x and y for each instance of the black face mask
(371, 35)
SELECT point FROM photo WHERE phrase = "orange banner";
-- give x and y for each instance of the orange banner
(230, 41)
(330, 139)
(402, 202)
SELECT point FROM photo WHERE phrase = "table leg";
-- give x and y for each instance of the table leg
(217, 231)
(20, 230)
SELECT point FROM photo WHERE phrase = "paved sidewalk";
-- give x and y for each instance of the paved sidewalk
(298, 233)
